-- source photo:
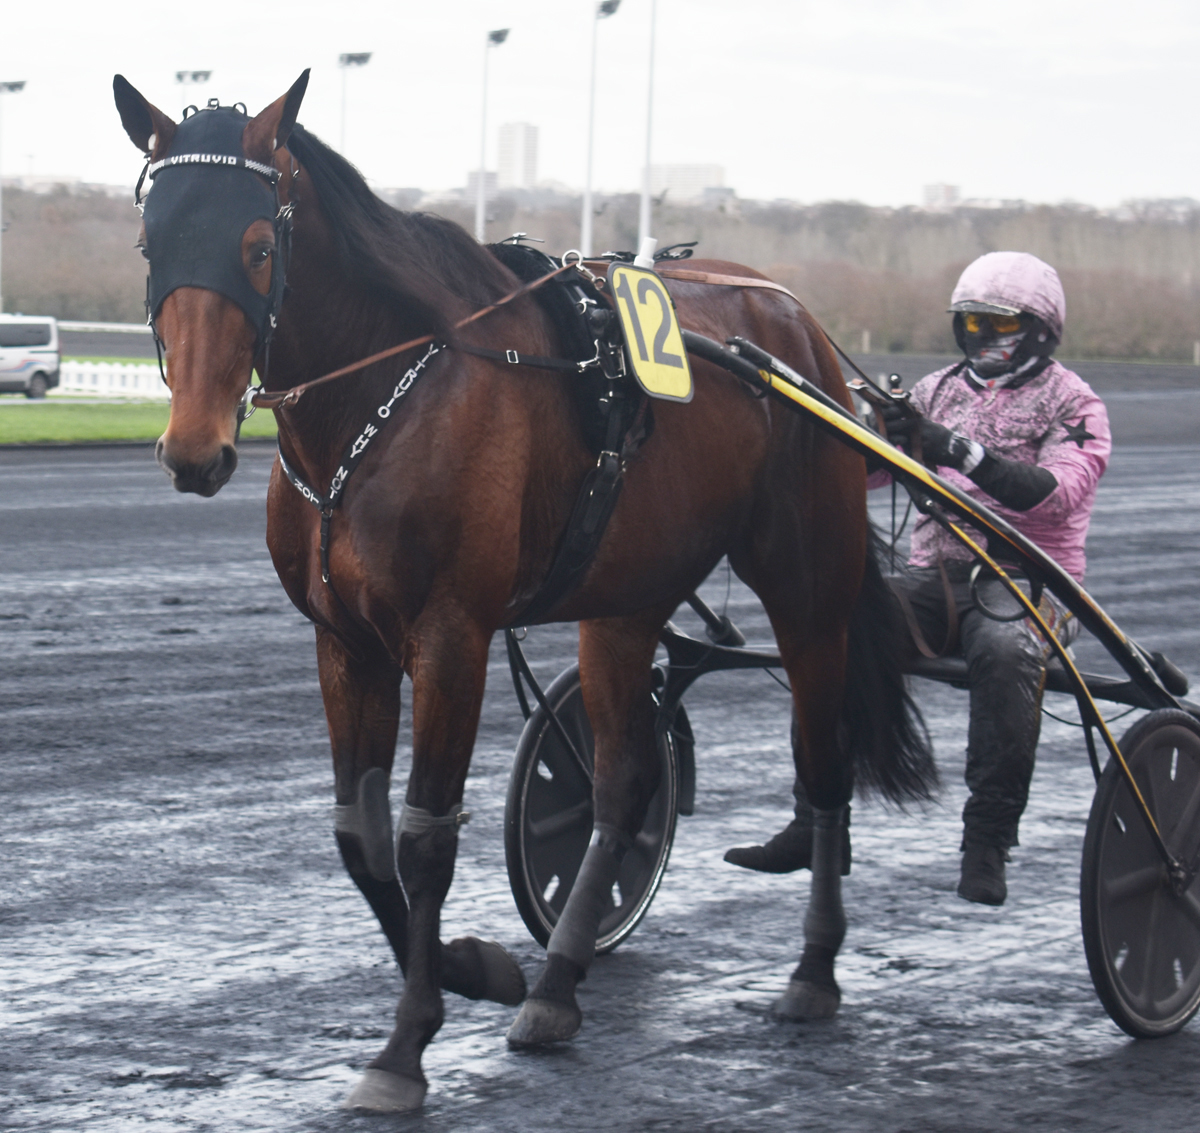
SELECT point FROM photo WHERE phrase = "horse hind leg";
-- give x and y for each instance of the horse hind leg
(615, 659)
(812, 992)
(817, 673)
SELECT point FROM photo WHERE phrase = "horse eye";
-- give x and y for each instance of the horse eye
(145, 254)
(260, 256)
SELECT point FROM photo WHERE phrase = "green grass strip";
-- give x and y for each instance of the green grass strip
(40, 422)
(92, 358)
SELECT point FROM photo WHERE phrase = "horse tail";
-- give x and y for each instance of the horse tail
(881, 723)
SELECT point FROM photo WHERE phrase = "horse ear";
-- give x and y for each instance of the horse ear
(142, 120)
(269, 131)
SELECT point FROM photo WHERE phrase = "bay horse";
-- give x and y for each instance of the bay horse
(451, 521)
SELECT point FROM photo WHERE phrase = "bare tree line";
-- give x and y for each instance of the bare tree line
(1132, 282)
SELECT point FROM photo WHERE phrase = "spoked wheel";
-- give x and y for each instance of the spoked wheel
(1142, 941)
(548, 821)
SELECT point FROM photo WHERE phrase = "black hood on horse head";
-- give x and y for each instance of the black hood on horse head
(196, 214)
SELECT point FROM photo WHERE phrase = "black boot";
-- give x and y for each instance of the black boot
(982, 878)
(790, 849)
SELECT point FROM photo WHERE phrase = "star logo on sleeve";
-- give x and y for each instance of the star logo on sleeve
(1078, 432)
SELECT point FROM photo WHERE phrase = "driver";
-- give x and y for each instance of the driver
(1029, 439)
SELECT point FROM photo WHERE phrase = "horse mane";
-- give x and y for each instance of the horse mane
(424, 263)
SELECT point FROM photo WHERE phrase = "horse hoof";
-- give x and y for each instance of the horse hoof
(544, 1021)
(381, 1092)
(806, 1002)
(505, 982)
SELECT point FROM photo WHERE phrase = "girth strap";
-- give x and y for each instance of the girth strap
(589, 518)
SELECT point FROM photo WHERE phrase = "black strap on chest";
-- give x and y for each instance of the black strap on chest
(353, 455)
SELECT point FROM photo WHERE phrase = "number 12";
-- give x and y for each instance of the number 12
(649, 285)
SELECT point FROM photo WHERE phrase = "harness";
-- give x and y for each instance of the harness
(624, 433)
(626, 427)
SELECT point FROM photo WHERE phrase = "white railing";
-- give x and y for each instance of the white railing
(109, 379)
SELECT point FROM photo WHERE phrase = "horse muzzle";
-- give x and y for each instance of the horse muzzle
(202, 477)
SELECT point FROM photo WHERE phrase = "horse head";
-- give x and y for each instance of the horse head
(215, 233)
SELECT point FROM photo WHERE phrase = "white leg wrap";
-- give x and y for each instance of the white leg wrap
(574, 935)
(370, 820)
(825, 921)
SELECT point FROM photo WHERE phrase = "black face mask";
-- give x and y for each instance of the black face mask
(1036, 341)
(206, 194)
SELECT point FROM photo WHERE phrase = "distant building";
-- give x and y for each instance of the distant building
(517, 156)
(939, 198)
(685, 182)
(489, 186)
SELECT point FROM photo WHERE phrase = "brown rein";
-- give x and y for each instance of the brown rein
(724, 280)
(279, 399)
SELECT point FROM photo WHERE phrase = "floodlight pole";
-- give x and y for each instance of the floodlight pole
(644, 209)
(494, 39)
(345, 62)
(5, 88)
(604, 9)
(191, 78)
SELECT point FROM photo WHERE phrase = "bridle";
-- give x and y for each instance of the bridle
(281, 222)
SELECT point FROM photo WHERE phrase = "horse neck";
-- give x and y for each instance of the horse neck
(330, 320)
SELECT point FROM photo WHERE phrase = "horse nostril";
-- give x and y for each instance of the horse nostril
(226, 463)
(159, 449)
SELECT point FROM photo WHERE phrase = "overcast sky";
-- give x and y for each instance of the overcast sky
(1046, 100)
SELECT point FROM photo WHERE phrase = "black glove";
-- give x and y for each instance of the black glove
(894, 422)
(1012, 483)
(940, 447)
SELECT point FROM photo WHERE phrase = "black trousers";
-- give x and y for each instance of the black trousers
(1006, 668)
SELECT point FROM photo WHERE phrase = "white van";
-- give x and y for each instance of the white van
(28, 355)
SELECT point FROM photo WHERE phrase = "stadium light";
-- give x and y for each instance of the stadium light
(644, 208)
(345, 62)
(6, 87)
(191, 79)
(604, 9)
(494, 39)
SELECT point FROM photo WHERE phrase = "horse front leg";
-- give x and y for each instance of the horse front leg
(362, 707)
(615, 658)
(448, 671)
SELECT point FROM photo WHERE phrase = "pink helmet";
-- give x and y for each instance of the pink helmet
(1012, 283)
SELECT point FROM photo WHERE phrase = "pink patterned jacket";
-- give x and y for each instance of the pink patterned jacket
(1054, 421)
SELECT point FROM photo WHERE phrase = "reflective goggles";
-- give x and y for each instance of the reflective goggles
(1000, 324)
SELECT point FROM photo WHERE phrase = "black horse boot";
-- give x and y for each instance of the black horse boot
(982, 879)
(791, 848)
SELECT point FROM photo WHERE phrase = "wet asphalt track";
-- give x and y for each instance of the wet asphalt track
(180, 949)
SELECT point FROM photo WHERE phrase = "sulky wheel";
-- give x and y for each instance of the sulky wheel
(1142, 940)
(548, 821)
